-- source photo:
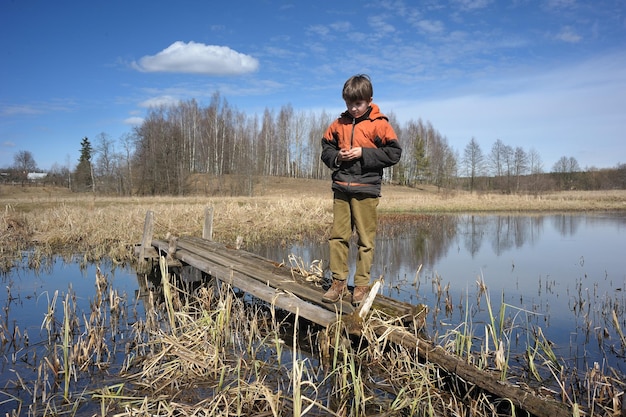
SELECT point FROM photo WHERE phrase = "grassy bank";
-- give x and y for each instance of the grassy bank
(55, 221)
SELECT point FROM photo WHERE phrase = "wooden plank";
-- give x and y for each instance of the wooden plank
(230, 275)
(264, 271)
(279, 276)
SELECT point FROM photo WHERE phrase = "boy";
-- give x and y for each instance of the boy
(357, 147)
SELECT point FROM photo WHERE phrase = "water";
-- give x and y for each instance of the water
(27, 366)
(29, 292)
(563, 273)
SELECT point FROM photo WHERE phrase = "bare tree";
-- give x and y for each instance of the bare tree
(158, 155)
(565, 170)
(282, 141)
(266, 138)
(443, 161)
(473, 162)
(58, 176)
(128, 145)
(300, 128)
(535, 166)
(415, 162)
(520, 165)
(566, 165)
(105, 167)
(508, 156)
(496, 158)
(23, 163)
(535, 163)
(319, 124)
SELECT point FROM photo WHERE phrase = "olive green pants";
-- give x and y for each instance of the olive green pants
(353, 211)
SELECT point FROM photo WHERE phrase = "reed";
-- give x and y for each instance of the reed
(66, 347)
(212, 351)
(618, 328)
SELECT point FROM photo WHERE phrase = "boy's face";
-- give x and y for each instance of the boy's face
(358, 108)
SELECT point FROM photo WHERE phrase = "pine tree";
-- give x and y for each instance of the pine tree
(83, 175)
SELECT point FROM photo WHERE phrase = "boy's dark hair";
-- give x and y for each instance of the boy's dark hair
(358, 87)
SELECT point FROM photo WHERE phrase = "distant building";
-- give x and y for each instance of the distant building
(36, 176)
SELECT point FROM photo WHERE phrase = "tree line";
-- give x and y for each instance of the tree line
(180, 142)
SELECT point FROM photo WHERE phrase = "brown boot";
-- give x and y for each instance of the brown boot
(359, 294)
(336, 291)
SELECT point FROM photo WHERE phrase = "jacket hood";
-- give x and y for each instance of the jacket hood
(372, 113)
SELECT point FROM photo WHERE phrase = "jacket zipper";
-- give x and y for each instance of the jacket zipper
(352, 142)
(352, 134)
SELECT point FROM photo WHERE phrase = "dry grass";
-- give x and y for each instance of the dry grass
(54, 221)
(429, 200)
(208, 351)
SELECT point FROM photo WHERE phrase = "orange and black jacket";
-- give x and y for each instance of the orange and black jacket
(381, 149)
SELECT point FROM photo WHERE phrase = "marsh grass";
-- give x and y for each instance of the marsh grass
(214, 351)
(51, 221)
(598, 391)
(210, 350)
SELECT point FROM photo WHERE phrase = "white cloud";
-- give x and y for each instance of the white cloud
(325, 31)
(341, 26)
(567, 34)
(560, 4)
(35, 108)
(430, 26)
(319, 30)
(198, 58)
(473, 4)
(8, 144)
(133, 121)
(16, 109)
(160, 101)
(380, 25)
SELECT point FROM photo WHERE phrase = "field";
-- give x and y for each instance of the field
(56, 221)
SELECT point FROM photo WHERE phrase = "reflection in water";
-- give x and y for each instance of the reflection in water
(563, 273)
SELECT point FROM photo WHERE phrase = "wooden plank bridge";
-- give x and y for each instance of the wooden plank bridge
(288, 289)
(267, 280)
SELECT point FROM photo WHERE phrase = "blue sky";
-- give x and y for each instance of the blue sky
(548, 75)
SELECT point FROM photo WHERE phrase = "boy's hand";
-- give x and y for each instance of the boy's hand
(350, 154)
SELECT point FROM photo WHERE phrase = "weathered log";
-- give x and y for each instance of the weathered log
(486, 380)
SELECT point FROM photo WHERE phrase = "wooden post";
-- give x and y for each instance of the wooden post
(145, 247)
(207, 229)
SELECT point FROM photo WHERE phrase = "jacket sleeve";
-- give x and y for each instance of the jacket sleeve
(387, 151)
(330, 150)
(386, 156)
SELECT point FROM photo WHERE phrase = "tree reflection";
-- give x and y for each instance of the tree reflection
(566, 224)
